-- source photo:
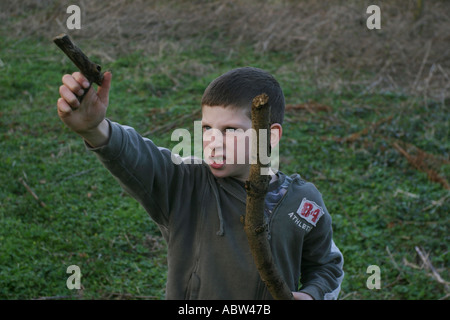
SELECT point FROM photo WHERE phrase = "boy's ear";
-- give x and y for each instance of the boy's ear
(276, 130)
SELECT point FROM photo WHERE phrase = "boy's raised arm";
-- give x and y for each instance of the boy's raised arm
(88, 117)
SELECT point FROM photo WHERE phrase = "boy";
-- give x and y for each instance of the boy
(197, 206)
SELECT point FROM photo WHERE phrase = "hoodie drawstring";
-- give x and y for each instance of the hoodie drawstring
(220, 232)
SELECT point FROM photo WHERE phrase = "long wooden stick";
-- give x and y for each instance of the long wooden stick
(254, 225)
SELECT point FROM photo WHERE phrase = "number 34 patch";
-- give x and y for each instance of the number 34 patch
(310, 211)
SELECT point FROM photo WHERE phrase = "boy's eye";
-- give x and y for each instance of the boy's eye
(227, 130)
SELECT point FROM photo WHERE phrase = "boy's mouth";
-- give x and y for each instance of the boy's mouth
(217, 162)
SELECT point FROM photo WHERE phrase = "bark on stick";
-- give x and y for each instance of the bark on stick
(90, 70)
(254, 223)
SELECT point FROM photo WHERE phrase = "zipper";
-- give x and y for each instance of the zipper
(274, 211)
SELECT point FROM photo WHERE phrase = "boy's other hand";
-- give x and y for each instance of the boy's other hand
(88, 117)
(301, 296)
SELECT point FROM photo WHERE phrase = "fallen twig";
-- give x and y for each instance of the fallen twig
(419, 163)
(76, 174)
(424, 60)
(355, 136)
(311, 107)
(436, 203)
(172, 124)
(393, 261)
(429, 266)
(42, 204)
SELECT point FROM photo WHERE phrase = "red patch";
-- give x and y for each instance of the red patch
(310, 211)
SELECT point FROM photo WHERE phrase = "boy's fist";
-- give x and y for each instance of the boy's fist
(86, 116)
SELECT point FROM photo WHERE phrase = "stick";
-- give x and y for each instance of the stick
(429, 266)
(424, 60)
(76, 175)
(170, 125)
(42, 204)
(355, 136)
(311, 107)
(419, 164)
(254, 225)
(90, 70)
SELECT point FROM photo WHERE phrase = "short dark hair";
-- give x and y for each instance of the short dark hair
(237, 88)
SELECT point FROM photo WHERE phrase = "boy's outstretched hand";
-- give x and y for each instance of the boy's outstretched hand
(88, 117)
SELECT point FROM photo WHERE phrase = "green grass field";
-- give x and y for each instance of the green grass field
(346, 141)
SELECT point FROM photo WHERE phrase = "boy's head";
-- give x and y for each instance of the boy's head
(226, 118)
(238, 87)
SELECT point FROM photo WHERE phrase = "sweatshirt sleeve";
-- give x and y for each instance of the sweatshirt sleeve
(145, 171)
(322, 262)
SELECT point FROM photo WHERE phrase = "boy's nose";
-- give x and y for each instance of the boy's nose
(216, 146)
(214, 138)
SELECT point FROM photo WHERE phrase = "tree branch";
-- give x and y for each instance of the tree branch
(254, 225)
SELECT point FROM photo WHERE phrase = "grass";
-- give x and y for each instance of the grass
(382, 207)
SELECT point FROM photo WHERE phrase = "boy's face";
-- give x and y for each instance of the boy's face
(225, 142)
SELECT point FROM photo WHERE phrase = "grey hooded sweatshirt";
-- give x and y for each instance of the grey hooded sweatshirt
(199, 218)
